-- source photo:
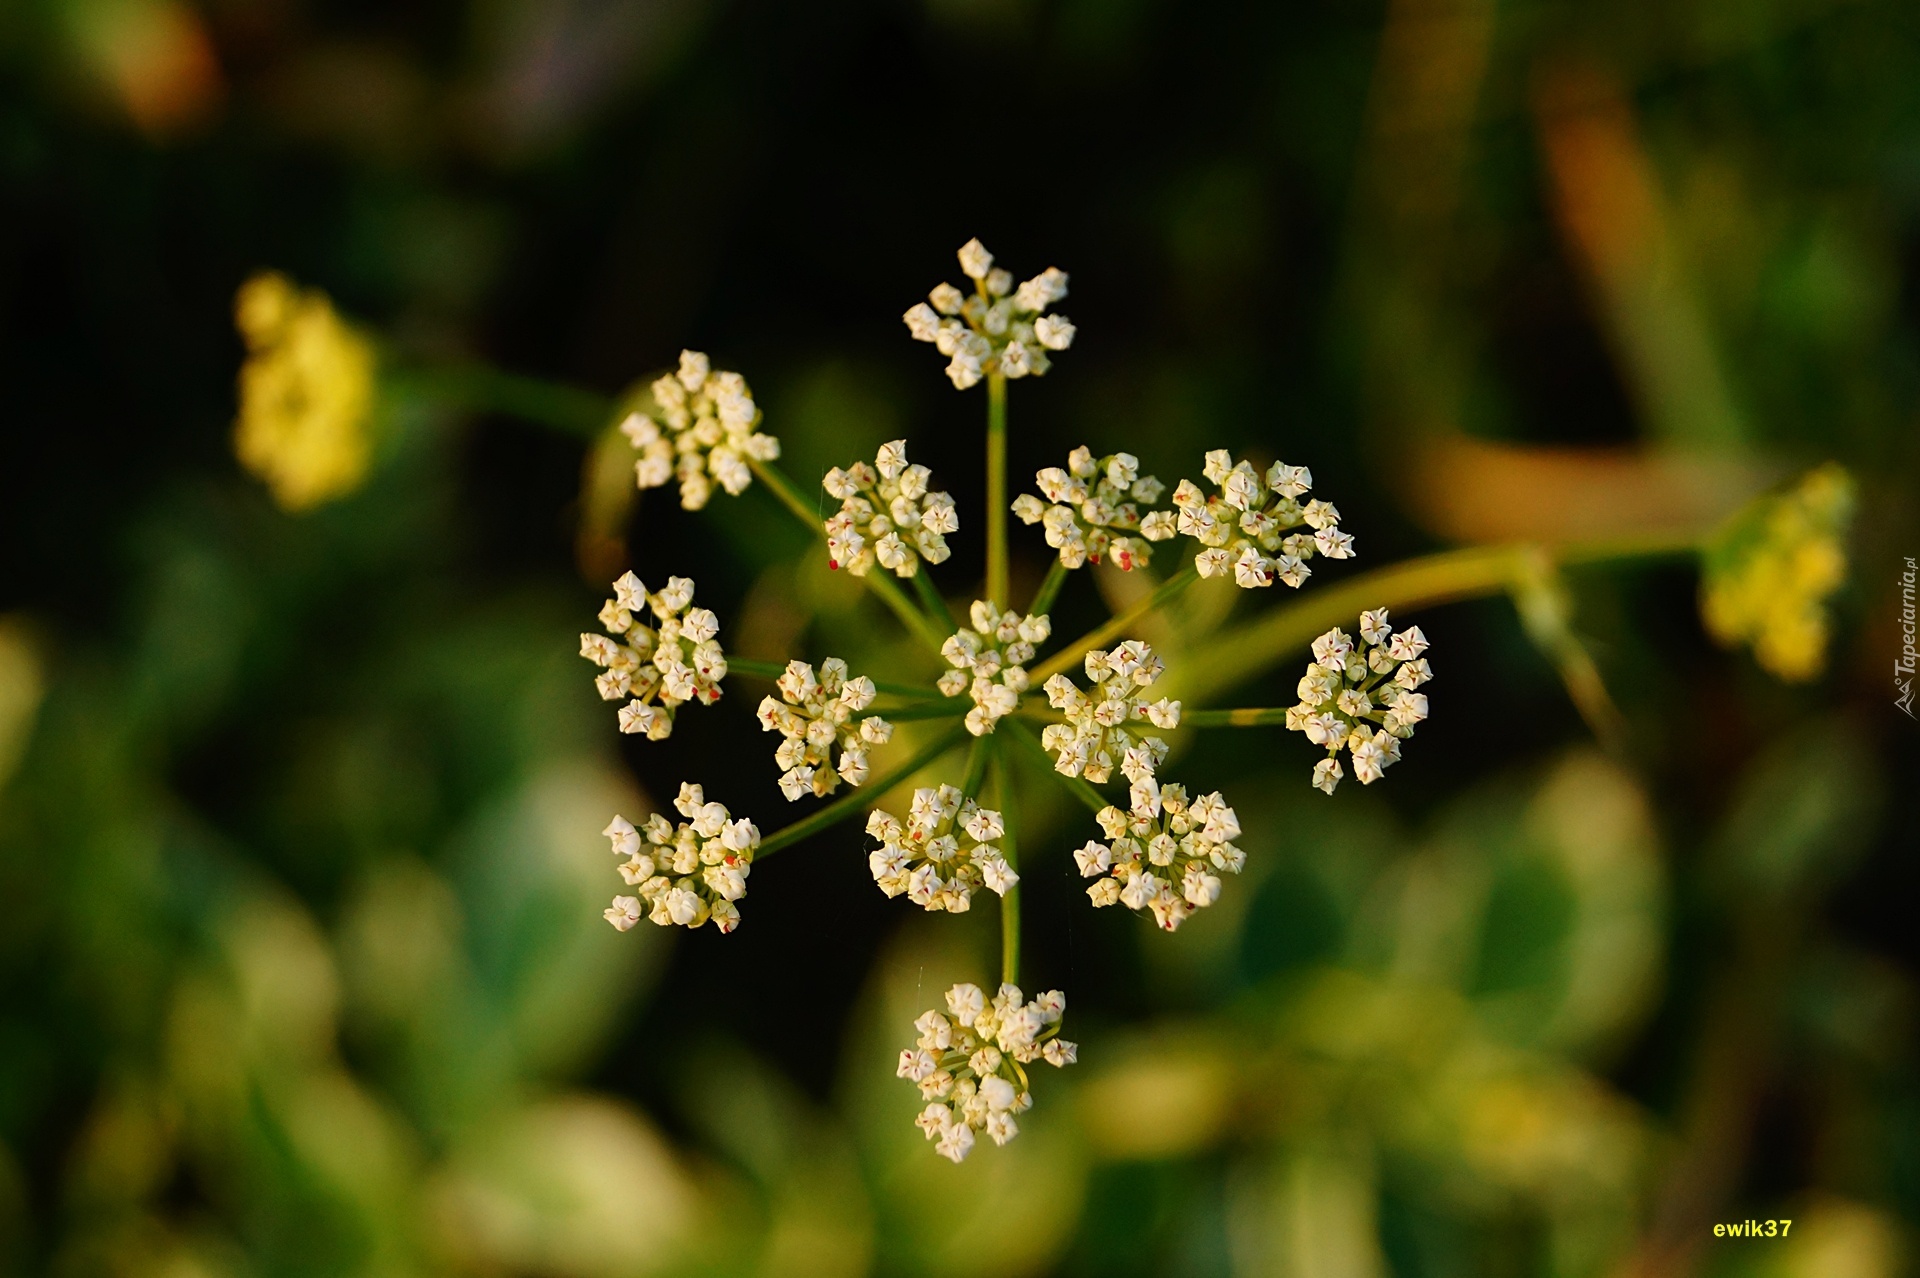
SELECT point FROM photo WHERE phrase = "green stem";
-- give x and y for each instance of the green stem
(880, 584)
(1079, 787)
(1545, 606)
(930, 599)
(925, 710)
(586, 414)
(977, 760)
(780, 486)
(863, 797)
(1069, 656)
(1009, 903)
(481, 388)
(1233, 718)
(1049, 589)
(997, 489)
(1472, 573)
(772, 670)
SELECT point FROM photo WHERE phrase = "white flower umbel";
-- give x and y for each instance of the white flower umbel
(1362, 698)
(970, 1063)
(887, 515)
(1109, 726)
(684, 875)
(704, 435)
(659, 667)
(816, 715)
(945, 851)
(1246, 530)
(989, 662)
(1095, 510)
(1165, 854)
(996, 328)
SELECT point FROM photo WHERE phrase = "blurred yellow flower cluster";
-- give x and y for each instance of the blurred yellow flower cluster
(1768, 573)
(306, 393)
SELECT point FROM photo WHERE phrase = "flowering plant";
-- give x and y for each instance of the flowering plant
(1165, 855)
(1005, 686)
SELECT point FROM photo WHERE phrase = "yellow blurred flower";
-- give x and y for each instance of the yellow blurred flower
(306, 393)
(1769, 571)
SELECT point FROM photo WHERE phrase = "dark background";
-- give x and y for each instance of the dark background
(1363, 239)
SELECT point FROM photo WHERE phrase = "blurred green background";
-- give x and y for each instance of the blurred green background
(301, 968)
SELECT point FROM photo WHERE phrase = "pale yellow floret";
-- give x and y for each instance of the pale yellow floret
(1770, 571)
(306, 393)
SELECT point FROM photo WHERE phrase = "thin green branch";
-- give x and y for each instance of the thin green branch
(585, 414)
(1010, 900)
(997, 489)
(780, 486)
(881, 585)
(930, 599)
(1079, 787)
(1545, 606)
(1069, 656)
(481, 388)
(1249, 718)
(1471, 573)
(755, 669)
(863, 797)
(942, 709)
(1049, 589)
(977, 759)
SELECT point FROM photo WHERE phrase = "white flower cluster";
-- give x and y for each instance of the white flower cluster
(997, 328)
(1094, 511)
(1244, 526)
(1104, 726)
(943, 854)
(1166, 855)
(968, 1063)
(705, 433)
(820, 711)
(1347, 690)
(989, 662)
(662, 666)
(887, 515)
(687, 875)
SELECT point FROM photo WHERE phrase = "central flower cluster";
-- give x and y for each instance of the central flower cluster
(818, 713)
(997, 328)
(989, 662)
(687, 874)
(705, 433)
(1245, 527)
(887, 514)
(1164, 853)
(943, 854)
(1103, 728)
(969, 1063)
(660, 667)
(1348, 689)
(1159, 853)
(1094, 511)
